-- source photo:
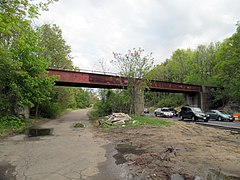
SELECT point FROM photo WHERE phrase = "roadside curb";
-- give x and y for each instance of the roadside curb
(219, 126)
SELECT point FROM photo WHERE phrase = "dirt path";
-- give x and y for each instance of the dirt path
(71, 153)
(184, 149)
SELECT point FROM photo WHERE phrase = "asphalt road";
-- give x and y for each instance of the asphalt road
(212, 123)
(70, 153)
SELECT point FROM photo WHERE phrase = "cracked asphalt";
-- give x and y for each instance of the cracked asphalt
(70, 153)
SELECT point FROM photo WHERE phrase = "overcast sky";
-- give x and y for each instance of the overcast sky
(96, 28)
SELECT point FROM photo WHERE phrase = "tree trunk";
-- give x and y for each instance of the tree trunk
(36, 112)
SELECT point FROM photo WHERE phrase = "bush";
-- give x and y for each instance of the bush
(10, 122)
(172, 100)
(51, 110)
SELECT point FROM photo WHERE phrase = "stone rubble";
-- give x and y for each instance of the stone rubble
(118, 118)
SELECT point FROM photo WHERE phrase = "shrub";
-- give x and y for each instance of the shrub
(51, 110)
(10, 122)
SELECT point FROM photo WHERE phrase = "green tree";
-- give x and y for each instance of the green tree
(135, 66)
(227, 68)
(56, 51)
(112, 101)
(25, 83)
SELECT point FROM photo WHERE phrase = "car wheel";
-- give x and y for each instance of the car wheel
(219, 118)
(155, 114)
(194, 118)
(181, 117)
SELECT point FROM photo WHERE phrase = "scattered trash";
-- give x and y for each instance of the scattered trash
(116, 119)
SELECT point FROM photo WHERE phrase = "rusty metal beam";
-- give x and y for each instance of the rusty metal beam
(92, 80)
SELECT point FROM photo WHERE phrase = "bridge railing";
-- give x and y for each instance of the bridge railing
(87, 71)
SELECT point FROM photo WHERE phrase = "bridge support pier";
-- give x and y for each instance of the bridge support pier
(192, 99)
(202, 99)
(205, 98)
(139, 102)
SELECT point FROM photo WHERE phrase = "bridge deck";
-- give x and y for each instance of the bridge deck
(93, 80)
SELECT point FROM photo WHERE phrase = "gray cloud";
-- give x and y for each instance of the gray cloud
(94, 29)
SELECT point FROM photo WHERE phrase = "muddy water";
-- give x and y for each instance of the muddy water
(32, 132)
(125, 149)
(6, 171)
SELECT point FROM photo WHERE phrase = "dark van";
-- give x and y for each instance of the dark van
(194, 113)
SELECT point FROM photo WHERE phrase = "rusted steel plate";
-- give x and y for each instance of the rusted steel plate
(82, 79)
(70, 76)
(113, 80)
(174, 86)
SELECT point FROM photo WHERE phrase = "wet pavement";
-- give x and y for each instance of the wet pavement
(66, 153)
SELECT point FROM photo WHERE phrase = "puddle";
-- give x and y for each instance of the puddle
(33, 132)
(7, 171)
(128, 149)
(214, 174)
(125, 149)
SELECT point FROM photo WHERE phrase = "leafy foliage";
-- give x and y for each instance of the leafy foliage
(57, 53)
(216, 64)
(134, 65)
(55, 49)
(112, 101)
(13, 124)
(23, 70)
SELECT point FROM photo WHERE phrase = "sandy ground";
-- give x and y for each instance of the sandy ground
(185, 149)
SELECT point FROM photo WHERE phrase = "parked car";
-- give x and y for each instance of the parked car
(157, 111)
(220, 115)
(146, 111)
(194, 113)
(163, 112)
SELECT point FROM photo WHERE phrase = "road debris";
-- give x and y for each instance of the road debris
(116, 119)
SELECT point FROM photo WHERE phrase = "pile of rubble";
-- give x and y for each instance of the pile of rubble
(116, 119)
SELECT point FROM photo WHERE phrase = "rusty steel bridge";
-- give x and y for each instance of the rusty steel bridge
(97, 80)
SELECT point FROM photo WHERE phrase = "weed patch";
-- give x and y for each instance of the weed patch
(78, 125)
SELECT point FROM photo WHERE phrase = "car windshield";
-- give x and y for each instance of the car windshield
(165, 110)
(198, 110)
(223, 112)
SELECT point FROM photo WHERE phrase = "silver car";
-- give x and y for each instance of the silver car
(163, 112)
